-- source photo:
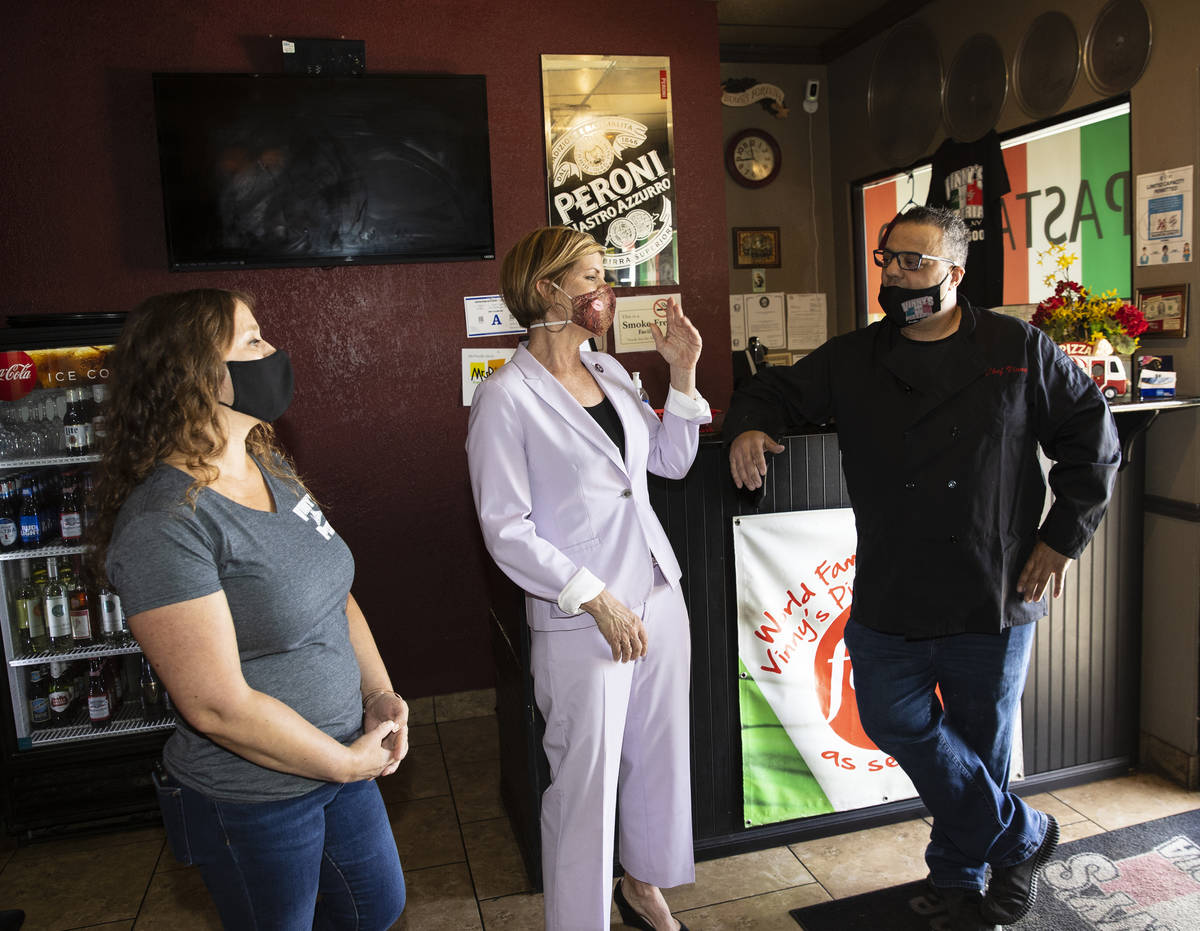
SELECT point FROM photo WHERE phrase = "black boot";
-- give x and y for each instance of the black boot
(962, 906)
(1013, 889)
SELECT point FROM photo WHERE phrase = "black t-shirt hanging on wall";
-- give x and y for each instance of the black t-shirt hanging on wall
(969, 178)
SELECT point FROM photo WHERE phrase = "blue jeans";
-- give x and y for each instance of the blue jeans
(265, 862)
(958, 758)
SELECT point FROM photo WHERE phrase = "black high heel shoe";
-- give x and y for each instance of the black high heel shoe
(630, 916)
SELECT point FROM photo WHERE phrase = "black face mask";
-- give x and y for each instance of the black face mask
(262, 387)
(904, 306)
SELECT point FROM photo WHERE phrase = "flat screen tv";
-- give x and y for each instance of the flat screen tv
(270, 171)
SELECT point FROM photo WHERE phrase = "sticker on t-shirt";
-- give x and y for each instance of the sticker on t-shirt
(307, 510)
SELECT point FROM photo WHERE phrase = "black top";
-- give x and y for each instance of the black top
(606, 415)
(970, 179)
(941, 463)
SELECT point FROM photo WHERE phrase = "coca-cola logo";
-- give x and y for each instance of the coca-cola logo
(18, 375)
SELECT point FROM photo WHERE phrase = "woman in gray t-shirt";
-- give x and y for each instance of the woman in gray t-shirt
(238, 590)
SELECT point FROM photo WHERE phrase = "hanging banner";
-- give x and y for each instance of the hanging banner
(804, 751)
(1164, 216)
(609, 160)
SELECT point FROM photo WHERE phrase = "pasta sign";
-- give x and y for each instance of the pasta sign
(804, 748)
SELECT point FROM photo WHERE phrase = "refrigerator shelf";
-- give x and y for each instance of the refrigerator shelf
(128, 720)
(92, 652)
(15, 465)
(42, 552)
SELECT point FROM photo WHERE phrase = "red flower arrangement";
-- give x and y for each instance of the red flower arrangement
(1075, 315)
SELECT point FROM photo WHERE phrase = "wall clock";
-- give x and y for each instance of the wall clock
(752, 158)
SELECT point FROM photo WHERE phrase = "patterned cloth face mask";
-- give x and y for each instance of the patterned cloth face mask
(594, 311)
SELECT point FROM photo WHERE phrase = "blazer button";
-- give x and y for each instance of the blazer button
(954, 433)
(910, 485)
(627, 493)
(952, 484)
(953, 539)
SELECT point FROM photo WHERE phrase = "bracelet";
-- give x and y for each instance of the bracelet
(375, 693)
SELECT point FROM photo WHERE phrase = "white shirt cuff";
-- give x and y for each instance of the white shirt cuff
(583, 586)
(686, 408)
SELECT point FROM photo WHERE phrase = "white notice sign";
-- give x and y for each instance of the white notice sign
(737, 322)
(1164, 217)
(635, 315)
(765, 318)
(806, 321)
(487, 316)
(478, 364)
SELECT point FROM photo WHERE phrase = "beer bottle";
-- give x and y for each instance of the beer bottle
(29, 521)
(99, 706)
(152, 693)
(99, 428)
(58, 614)
(70, 515)
(75, 426)
(39, 698)
(112, 627)
(81, 615)
(10, 516)
(60, 694)
(87, 499)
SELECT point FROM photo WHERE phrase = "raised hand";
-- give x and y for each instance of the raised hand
(680, 345)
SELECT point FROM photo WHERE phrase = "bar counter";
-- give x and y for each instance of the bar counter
(1080, 710)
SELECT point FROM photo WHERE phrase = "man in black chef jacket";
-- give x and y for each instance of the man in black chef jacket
(939, 410)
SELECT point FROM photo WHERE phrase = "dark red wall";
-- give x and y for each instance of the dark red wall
(377, 426)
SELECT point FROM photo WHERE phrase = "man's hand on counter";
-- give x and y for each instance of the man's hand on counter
(747, 458)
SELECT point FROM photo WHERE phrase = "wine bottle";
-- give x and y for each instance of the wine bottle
(111, 628)
(81, 614)
(58, 614)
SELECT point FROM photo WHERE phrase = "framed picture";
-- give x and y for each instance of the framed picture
(1165, 309)
(756, 247)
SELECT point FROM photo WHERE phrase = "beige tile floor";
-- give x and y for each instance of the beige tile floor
(463, 868)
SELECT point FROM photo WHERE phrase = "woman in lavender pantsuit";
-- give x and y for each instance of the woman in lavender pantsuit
(559, 445)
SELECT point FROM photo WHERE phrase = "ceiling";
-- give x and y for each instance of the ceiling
(803, 31)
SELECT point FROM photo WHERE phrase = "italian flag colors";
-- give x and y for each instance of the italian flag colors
(1069, 184)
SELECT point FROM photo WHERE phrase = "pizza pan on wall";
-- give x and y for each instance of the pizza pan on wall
(904, 96)
(976, 87)
(1118, 46)
(1047, 64)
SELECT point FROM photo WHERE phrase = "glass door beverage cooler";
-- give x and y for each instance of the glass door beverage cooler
(84, 718)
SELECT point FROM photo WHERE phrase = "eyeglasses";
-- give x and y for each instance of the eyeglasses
(909, 261)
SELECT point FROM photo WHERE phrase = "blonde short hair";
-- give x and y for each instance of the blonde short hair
(545, 253)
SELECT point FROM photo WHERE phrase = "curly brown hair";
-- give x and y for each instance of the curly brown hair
(167, 371)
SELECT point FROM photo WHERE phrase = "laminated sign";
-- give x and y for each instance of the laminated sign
(609, 166)
(804, 751)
